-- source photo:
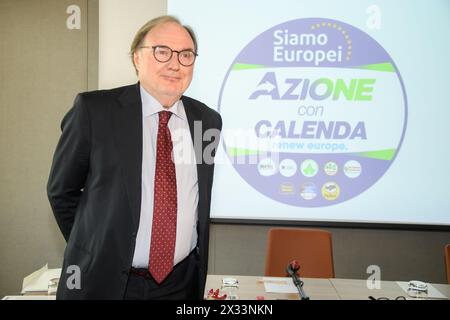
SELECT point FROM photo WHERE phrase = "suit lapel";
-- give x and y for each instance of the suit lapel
(127, 123)
(193, 114)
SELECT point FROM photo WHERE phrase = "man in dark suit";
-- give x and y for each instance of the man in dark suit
(130, 184)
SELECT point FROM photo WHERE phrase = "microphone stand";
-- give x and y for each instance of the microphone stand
(292, 269)
(299, 284)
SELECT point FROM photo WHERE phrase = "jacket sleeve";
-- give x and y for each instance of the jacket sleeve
(70, 166)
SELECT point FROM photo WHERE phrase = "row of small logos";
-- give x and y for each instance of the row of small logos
(308, 168)
(308, 190)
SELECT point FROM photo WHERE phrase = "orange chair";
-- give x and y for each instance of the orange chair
(312, 248)
(447, 261)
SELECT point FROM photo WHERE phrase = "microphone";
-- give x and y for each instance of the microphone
(292, 269)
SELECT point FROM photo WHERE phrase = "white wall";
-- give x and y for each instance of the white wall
(119, 20)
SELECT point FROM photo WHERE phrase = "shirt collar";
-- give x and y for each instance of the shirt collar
(151, 106)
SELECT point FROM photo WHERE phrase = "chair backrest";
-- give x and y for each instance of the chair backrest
(447, 262)
(312, 248)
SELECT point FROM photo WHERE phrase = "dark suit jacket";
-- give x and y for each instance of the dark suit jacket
(94, 188)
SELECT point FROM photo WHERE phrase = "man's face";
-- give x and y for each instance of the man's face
(166, 81)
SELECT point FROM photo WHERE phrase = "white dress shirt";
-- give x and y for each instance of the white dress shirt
(186, 175)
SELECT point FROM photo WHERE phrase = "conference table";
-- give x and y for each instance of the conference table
(253, 288)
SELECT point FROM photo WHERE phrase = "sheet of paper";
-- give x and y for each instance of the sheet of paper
(38, 280)
(279, 285)
(433, 293)
(29, 298)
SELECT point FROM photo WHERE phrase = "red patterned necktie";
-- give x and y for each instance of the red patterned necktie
(164, 227)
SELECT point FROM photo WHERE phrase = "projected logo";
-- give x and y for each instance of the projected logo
(314, 112)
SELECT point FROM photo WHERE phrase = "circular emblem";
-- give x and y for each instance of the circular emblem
(311, 99)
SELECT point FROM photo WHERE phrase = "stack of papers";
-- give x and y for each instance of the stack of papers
(38, 281)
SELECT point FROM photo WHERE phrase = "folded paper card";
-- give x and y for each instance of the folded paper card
(40, 280)
(432, 292)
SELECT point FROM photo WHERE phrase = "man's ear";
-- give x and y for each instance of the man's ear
(136, 60)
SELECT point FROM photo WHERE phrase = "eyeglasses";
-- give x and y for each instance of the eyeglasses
(385, 298)
(164, 53)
